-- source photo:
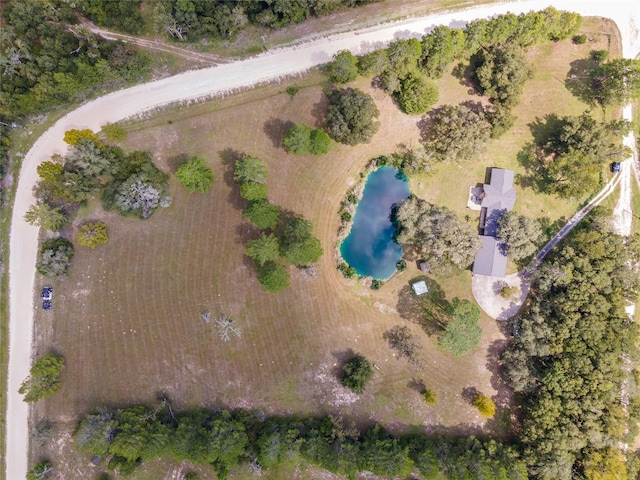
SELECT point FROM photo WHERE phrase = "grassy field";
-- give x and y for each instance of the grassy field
(128, 317)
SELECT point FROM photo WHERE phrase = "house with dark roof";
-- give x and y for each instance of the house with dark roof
(497, 197)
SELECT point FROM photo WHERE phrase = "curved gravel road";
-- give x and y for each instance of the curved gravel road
(192, 86)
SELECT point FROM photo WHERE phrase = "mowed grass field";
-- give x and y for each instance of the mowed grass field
(128, 317)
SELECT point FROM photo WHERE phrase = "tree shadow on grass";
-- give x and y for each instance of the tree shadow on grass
(341, 357)
(229, 158)
(177, 161)
(319, 112)
(578, 80)
(276, 129)
(429, 310)
(464, 73)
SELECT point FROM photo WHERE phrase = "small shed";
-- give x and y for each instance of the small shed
(420, 287)
(424, 268)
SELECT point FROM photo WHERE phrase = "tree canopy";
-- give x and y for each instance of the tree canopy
(273, 276)
(462, 332)
(92, 234)
(616, 82)
(262, 214)
(351, 116)
(298, 244)
(455, 133)
(566, 358)
(44, 379)
(250, 169)
(343, 68)
(304, 140)
(195, 175)
(264, 249)
(519, 235)
(356, 372)
(445, 243)
(55, 257)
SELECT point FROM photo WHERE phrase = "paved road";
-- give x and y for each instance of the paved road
(192, 86)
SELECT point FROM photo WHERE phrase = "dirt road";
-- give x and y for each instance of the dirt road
(191, 86)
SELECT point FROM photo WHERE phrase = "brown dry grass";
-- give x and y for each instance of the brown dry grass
(127, 319)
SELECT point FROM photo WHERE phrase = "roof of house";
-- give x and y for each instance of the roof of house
(420, 287)
(499, 197)
(490, 260)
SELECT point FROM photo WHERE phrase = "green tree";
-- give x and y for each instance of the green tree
(92, 234)
(298, 245)
(250, 169)
(417, 94)
(73, 136)
(96, 431)
(616, 82)
(195, 175)
(262, 214)
(319, 142)
(502, 72)
(44, 379)
(440, 48)
(297, 139)
(485, 405)
(55, 257)
(605, 464)
(302, 140)
(456, 133)
(264, 249)
(519, 235)
(462, 334)
(40, 471)
(373, 63)
(351, 116)
(343, 68)
(273, 277)
(252, 191)
(445, 243)
(45, 216)
(49, 171)
(356, 372)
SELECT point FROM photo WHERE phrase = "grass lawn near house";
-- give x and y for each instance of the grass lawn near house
(128, 317)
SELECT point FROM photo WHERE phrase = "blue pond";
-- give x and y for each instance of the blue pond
(370, 247)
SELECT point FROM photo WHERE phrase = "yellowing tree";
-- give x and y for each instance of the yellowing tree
(92, 235)
(485, 405)
(73, 136)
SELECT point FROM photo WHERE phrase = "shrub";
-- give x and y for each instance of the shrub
(92, 235)
(579, 39)
(273, 277)
(401, 265)
(44, 379)
(114, 132)
(356, 372)
(55, 257)
(40, 471)
(303, 140)
(376, 284)
(485, 406)
(599, 55)
(73, 136)
(292, 90)
(509, 293)
(347, 270)
(195, 176)
(429, 397)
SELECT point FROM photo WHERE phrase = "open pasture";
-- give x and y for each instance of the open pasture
(128, 317)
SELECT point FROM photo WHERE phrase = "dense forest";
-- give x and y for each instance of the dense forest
(191, 20)
(570, 354)
(225, 439)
